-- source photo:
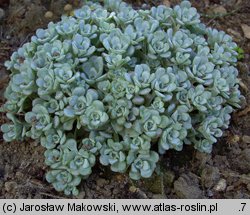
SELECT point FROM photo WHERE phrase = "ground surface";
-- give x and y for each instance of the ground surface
(188, 174)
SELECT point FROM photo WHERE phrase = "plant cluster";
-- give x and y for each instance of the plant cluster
(121, 86)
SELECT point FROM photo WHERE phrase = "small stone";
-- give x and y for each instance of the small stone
(246, 30)
(210, 193)
(120, 178)
(27, 2)
(168, 178)
(48, 15)
(221, 185)
(209, 176)
(145, 7)
(230, 188)
(206, 3)
(155, 184)
(220, 10)
(236, 35)
(133, 189)
(246, 156)
(36, 182)
(19, 176)
(2, 14)
(235, 139)
(202, 158)
(1, 185)
(242, 161)
(81, 195)
(3, 80)
(77, 3)
(158, 196)
(116, 191)
(246, 139)
(244, 112)
(107, 193)
(243, 85)
(2, 173)
(248, 187)
(166, 3)
(229, 2)
(68, 7)
(10, 186)
(140, 194)
(101, 182)
(187, 187)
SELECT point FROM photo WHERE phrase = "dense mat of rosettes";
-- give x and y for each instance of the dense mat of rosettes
(122, 86)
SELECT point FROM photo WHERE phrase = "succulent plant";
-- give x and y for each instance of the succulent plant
(62, 180)
(39, 120)
(112, 154)
(95, 116)
(52, 138)
(172, 138)
(110, 83)
(13, 131)
(143, 165)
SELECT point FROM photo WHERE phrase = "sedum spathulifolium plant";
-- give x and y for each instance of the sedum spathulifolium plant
(121, 86)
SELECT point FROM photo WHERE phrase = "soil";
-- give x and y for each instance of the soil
(188, 174)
